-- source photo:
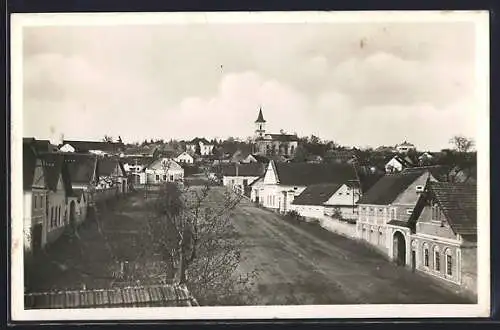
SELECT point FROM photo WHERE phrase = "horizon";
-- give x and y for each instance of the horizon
(369, 85)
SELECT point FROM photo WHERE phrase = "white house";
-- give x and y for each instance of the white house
(184, 158)
(163, 170)
(284, 181)
(241, 176)
(397, 164)
(201, 146)
(387, 206)
(405, 147)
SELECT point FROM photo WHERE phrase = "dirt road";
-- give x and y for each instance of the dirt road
(300, 264)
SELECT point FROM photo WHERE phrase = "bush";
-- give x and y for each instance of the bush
(293, 216)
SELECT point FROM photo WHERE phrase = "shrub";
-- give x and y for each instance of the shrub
(293, 216)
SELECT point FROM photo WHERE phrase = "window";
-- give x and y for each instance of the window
(449, 262)
(437, 259)
(157, 177)
(393, 213)
(435, 213)
(59, 215)
(347, 193)
(34, 201)
(426, 255)
(164, 177)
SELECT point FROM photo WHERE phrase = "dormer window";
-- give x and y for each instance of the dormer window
(435, 212)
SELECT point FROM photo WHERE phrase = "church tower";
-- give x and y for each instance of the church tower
(260, 125)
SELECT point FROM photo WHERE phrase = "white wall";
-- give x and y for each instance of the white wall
(184, 158)
(393, 163)
(309, 211)
(237, 180)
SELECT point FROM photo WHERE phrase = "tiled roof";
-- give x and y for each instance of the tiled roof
(85, 146)
(29, 165)
(283, 137)
(151, 296)
(439, 172)
(316, 194)
(399, 223)
(459, 204)
(81, 167)
(305, 174)
(388, 188)
(108, 166)
(52, 166)
(249, 169)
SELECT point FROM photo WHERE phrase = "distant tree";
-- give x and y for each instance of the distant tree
(301, 154)
(462, 143)
(313, 139)
(120, 139)
(107, 138)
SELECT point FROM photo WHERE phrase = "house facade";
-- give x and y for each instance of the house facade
(200, 146)
(384, 211)
(184, 158)
(241, 176)
(405, 147)
(397, 164)
(34, 202)
(444, 233)
(162, 170)
(282, 182)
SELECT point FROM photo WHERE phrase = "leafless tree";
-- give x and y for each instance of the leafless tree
(198, 245)
(462, 143)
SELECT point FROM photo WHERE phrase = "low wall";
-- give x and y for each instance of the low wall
(339, 227)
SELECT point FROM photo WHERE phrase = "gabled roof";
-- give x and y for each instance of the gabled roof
(388, 188)
(248, 169)
(81, 167)
(108, 166)
(260, 118)
(305, 174)
(439, 172)
(317, 194)
(458, 201)
(29, 165)
(283, 137)
(52, 164)
(143, 160)
(405, 161)
(197, 140)
(85, 146)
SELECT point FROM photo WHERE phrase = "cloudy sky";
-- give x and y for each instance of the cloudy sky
(358, 84)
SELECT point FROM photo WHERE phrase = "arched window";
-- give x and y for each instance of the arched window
(437, 259)
(449, 262)
(426, 254)
(292, 149)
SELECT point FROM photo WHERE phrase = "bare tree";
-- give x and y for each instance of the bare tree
(462, 143)
(198, 244)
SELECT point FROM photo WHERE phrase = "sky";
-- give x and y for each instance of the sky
(357, 84)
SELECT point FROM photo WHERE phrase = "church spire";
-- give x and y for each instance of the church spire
(260, 118)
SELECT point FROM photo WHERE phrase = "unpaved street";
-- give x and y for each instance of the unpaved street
(300, 264)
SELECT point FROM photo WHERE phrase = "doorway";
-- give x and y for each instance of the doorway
(399, 248)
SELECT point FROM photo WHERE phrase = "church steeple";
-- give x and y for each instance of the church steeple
(260, 125)
(260, 118)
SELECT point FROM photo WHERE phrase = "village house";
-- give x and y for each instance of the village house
(282, 182)
(34, 202)
(328, 200)
(398, 163)
(239, 177)
(273, 144)
(162, 170)
(133, 166)
(59, 190)
(200, 146)
(184, 158)
(111, 176)
(384, 210)
(405, 147)
(425, 159)
(444, 240)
